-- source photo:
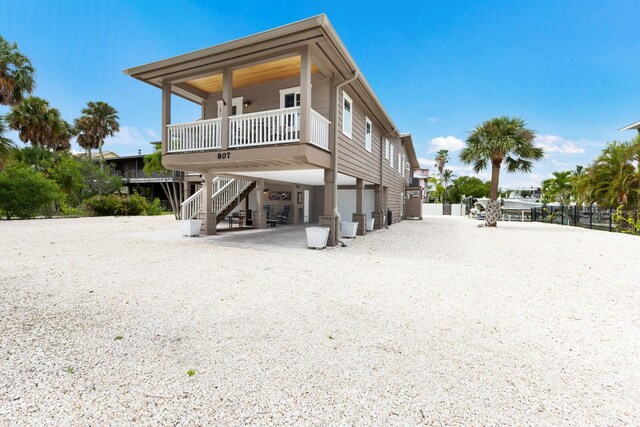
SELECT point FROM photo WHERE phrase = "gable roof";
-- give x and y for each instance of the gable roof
(635, 126)
(316, 32)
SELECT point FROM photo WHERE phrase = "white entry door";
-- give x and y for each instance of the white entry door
(236, 106)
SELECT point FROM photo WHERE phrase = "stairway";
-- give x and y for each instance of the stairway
(227, 193)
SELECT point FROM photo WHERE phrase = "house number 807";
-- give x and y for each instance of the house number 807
(224, 156)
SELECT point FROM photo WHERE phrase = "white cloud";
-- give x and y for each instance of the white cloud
(426, 163)
(557, 144)
(129, 136)
(432, 120)
(561, 164)
(450, 143)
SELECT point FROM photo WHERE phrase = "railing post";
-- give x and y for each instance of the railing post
(610, 220)
(305, 94)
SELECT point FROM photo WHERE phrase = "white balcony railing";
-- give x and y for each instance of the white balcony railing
(248, 130)
(319, 130)
(200, 135)
(265, 128)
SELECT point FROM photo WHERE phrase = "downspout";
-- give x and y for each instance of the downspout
(384, 217)
(334, 158)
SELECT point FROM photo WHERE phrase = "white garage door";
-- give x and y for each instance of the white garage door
(347, 203)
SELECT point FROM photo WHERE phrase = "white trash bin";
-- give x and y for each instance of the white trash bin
(349, 229)
(191, 227)
(317, 237)
(370, 223)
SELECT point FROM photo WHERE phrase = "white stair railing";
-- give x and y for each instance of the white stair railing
(190, 207)
(227, 193)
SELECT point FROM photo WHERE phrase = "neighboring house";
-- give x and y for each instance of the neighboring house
(632, 126)
(287, 119)
(421, 179)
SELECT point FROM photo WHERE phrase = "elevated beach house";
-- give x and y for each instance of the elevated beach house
(288, 124)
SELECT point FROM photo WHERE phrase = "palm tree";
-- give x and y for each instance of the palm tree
(612, 179)
(17, 76)
(498, 140)
(153, 165)
(5, 144)
(99, 120)
(560, 186)
(442, 157)
(39, 124)
(84, 138)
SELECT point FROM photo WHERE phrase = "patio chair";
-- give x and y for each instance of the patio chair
(283, 217)
(269, 221)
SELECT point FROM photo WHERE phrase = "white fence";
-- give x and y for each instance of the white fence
(436, 209)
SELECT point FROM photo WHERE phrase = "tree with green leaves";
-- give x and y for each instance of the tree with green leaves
(500, 140)
(84, 138)
(99, 120)
(17, 75)
(613, 179)
(39, 124)
(153, 165)
(468, 186)
(17, 80)
(442, 157)
(559, 187)
(6, 145)
(25, 192)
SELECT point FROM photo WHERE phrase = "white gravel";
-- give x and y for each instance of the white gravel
(433, 322)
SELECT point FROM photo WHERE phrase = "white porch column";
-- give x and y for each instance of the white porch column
(305, 94)
(166, 115)
(227, 104)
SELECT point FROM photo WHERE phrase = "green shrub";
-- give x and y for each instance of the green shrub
(136, 205)
(155, 208)
(24, 192)
(115, 205)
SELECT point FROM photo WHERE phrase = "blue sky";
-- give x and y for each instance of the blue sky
(569, 68)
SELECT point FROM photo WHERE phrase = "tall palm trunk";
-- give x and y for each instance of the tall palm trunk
(101, 156)
(493, 205)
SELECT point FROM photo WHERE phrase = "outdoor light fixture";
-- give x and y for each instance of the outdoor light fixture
(246, 104)
(266, 190)
(201, 179)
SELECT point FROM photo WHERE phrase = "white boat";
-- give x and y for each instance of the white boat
(516, 202)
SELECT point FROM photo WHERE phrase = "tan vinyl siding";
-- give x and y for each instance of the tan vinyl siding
(266, 96)
(394, 181)
(353, 158)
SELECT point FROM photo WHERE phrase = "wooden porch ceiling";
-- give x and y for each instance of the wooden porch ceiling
(254, 74)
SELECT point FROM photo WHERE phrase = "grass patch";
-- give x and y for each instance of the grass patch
(191, 372)
(118, 337)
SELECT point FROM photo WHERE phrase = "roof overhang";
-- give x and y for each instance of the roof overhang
(632, 126)
(328, 52)
(407, 141)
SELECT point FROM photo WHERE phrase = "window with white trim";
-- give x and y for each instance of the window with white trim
(386, 148)
(368, 130)
(400, 163)
(347, 114)
(290, 97)
(391, 156)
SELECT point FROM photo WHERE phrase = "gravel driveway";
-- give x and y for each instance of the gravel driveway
(433, 322)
